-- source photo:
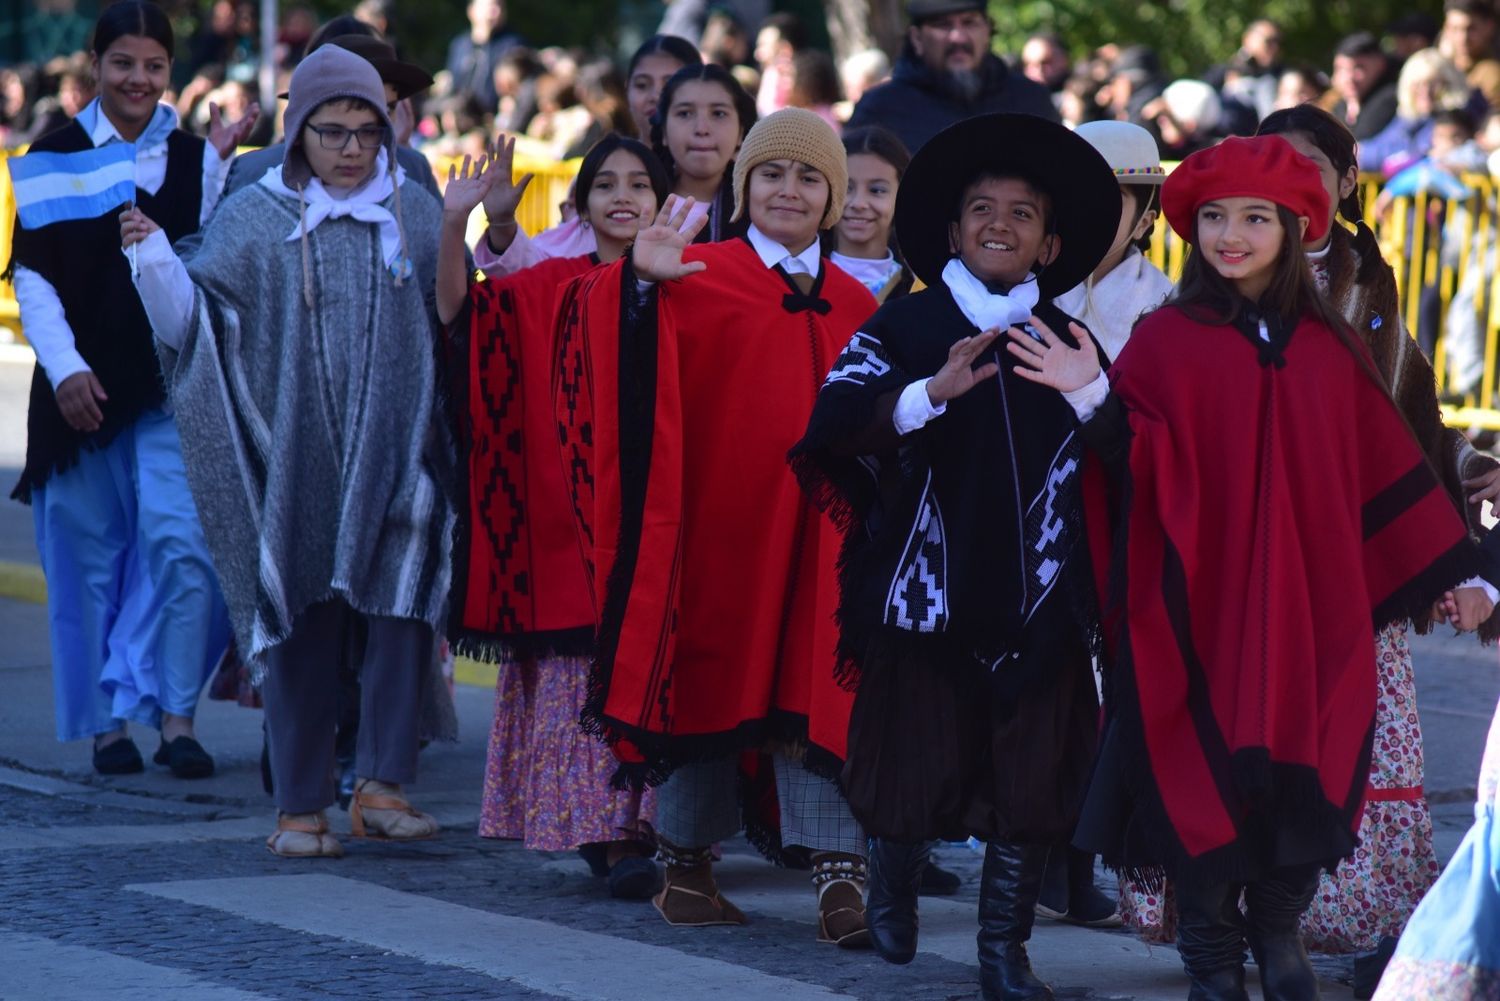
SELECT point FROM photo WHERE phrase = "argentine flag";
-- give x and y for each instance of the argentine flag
(58, 187)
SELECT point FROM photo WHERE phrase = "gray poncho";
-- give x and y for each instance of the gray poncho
(314, 440)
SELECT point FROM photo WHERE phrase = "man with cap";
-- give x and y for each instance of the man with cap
(685, 373)
(965, 609)
(946, 73)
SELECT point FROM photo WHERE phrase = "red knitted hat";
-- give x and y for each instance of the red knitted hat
(1263, 167)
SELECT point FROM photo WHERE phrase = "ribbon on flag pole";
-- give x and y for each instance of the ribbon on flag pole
(59, 187)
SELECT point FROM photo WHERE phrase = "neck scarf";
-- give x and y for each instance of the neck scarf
(986, 309)
(363, 204)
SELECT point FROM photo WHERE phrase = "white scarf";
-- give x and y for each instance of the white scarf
(363, 204)
(874, 274)
(986, 309)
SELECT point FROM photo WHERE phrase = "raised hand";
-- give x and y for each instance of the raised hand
(135, 226)
(1050, 361)
(502, 199)
(657, 253)
(225, 137)
(958, 374)
(467, 187)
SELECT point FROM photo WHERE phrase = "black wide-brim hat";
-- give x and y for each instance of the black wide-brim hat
(1084, 191)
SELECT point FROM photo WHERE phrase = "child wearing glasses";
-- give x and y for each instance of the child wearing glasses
(298, 346)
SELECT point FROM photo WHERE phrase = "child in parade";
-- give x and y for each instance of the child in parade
(863, 243)
(1125, 286)
(507, 248)
(685, 373)
(1369, 897)
(136, 618)
(299, 349)
(964, 613)
(521, 595)
(1242, 691)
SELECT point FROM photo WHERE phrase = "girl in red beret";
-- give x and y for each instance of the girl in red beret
(1250, 538)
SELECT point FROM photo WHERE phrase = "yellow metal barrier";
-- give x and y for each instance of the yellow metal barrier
(1444, 254)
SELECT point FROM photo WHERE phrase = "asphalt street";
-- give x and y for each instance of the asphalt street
(148, 887)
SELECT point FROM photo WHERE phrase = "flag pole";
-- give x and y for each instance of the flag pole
(135, 254)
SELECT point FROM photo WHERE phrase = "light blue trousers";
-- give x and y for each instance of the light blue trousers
(136, 616)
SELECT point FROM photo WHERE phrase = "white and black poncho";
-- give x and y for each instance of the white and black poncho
(314, 439)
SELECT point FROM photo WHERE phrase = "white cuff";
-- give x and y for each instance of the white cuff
(1090, 398)
(46, 325)
(165, 289)
(914, 409)
(64, 365)
(215, 173)
(1489, 589)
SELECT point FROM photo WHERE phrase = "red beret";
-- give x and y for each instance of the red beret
(1263, 167)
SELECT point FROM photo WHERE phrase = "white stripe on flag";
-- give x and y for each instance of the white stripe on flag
(53, 187)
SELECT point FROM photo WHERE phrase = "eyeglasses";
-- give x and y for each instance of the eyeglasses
(337, 137)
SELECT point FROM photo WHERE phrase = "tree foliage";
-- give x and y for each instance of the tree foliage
(1191, 35)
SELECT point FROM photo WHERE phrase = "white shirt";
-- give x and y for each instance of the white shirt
(772, 253)
(42, 314)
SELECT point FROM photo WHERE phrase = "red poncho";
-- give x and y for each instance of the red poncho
(714, 575)
(1276, 509)
(519, 582)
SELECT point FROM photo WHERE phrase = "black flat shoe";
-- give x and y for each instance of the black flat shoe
(186, 757)
(121, 757)
(634, 877)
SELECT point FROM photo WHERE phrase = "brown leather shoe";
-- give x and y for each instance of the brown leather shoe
(691, 899)
(840, 880)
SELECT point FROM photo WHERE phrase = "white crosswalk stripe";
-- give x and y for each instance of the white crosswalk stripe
(544, 957)
(36, 967)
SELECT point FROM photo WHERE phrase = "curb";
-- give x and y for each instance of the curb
(22, 582)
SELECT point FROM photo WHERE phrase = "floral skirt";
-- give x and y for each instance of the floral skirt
(1373, 893)
(1451, 949)
(546, 782)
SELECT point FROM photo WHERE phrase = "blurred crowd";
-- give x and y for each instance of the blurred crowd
(1415, 87)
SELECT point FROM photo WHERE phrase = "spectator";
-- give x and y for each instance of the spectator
(1079, 101)
(1251, 76)
(218, 41)
(946, 73)
(1411, 33)
(601, 93)
(780, 38)
(1300, 83)
(297, 27)
(1468, 39)
(472, 57)
(559, 121)
(1045, 60)
(815, 85)
(860, 72)
(18, 93)
(1366, 96)
(724, 40)
(1429, 83)
(1133, 80)
(1186, 118)
(377, 14)
(689, 19)
(75, 89)
(515, 83)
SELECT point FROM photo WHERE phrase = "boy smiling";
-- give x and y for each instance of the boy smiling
(964, 617)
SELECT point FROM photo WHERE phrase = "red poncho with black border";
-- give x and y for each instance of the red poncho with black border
(713, 574)
(1275, 511)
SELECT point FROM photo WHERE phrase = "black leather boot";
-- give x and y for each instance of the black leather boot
(1274, 907)
(1008, 891)
(894, 878)
(1211, 939)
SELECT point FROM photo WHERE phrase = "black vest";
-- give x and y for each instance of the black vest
(83, 262)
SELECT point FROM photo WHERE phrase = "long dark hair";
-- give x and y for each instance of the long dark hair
(744, 106)
(674, 46)
(589, 169)
(1334, 139)
(1208, 297)
(133, 17)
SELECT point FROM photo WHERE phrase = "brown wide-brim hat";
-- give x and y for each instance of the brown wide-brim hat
(1084, 192)
(407, 79)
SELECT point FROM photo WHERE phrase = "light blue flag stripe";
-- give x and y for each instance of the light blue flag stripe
(58, 187)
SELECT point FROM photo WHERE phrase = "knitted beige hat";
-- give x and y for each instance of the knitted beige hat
(794, 134)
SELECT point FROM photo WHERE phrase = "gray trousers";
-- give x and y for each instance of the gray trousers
(301, 693)
(699, 805)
